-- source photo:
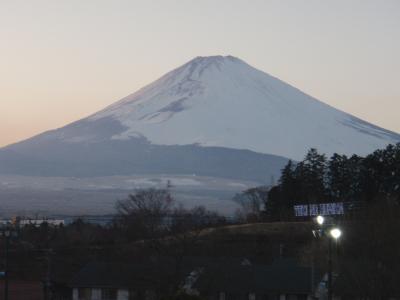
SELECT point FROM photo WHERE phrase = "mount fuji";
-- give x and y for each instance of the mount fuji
(213, 116)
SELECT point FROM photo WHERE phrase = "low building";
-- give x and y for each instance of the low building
(119, 281)
(39, 222)
(282, 280)
(212, 279)
(23, 290)
(22, 222)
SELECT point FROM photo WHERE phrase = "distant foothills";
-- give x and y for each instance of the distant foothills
(354, 180)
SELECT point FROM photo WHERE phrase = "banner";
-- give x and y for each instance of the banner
(321, 209)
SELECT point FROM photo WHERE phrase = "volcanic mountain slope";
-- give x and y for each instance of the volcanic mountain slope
(214, 116)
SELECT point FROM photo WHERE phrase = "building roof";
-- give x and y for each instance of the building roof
(117, 275)
(281, 276)
(138, 274)
(212, 275)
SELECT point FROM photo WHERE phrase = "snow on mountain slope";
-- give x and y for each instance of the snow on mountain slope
(222, 101)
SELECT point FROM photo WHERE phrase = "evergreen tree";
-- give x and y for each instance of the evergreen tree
(355, 173)
(311, 177)
(390, 173)
(343, 174)
(288, 185)
(274, 205)
(372, 174)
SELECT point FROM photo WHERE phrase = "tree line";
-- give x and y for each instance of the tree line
(318, 179)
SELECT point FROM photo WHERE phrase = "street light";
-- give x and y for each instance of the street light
(335, 233)
(320, 220)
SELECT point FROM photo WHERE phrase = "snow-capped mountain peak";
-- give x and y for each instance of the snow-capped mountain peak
(223, 101)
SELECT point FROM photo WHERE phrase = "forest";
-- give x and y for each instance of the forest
(317, 179)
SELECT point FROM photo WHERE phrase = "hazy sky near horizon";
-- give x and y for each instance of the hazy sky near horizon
(63, 60)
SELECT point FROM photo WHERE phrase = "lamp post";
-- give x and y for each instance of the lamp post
(332, 232)
(6, 233)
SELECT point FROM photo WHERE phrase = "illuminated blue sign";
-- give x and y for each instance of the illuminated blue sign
(323, 209)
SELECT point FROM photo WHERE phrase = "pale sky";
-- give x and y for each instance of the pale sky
(63, 60)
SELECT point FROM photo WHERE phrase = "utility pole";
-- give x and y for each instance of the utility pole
(6, 234)
(330, 269)
(47, 282)
(281, 250)
(312, 267)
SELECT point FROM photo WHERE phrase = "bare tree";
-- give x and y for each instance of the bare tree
(143, 214)
(251, 203)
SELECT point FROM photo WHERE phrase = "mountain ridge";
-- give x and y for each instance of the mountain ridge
(209, 110)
